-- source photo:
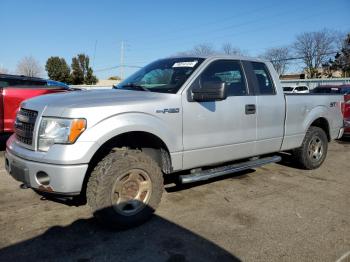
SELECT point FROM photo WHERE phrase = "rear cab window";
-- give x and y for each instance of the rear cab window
(259, 79)
(288, 89)
(301, 88)
(264, 84)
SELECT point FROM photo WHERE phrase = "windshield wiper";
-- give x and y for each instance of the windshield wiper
(135, 86)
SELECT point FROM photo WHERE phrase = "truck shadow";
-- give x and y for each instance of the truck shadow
(344, 140)
(288, 160)
(86, 240)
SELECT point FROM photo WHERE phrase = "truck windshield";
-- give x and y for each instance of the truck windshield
(164, 76)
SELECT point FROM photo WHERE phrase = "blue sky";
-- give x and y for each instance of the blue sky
(154, 29)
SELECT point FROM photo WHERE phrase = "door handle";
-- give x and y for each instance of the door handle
(250, 109)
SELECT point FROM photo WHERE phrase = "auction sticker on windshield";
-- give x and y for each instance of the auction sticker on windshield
(185, 64)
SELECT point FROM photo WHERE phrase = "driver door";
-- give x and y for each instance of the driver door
(219, 131)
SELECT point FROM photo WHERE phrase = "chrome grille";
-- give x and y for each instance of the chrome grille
(24, 125)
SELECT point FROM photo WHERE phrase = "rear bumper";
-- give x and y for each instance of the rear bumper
(60, 179)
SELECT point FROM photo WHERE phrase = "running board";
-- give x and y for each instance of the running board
(230, 169)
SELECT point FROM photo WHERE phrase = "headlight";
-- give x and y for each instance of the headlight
(59, 131)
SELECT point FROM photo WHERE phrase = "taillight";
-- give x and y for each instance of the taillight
(346, 106)
(347, 99)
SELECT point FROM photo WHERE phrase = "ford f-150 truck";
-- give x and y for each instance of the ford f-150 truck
(204, 116)
(15, 89)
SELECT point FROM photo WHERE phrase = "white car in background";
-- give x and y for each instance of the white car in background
(296, 89)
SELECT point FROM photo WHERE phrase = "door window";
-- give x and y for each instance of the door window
(227, 71)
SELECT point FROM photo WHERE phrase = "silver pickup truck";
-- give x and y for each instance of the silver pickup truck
(204, 116)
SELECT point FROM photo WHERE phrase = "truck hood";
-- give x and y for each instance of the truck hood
(98, 105)
(59, 104)
(88, 98)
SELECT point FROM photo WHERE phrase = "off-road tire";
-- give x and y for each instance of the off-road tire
(103, 177)
(301, 154)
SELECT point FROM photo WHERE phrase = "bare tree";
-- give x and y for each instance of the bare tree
(314, 48)
(29, 66)
(339, 37)
(203, 49)
(3, 70)
(229, 49)
(208, 49)
(278, 57)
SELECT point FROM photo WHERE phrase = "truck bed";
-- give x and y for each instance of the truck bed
(300, 110)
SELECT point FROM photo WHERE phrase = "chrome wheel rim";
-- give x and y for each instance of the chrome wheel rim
(315, 150)
(131, 192)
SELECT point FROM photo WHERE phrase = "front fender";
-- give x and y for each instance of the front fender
(169, 133)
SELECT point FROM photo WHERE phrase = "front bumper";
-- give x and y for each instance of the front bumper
(60, 179)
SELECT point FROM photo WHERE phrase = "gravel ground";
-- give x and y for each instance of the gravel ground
(273, 213)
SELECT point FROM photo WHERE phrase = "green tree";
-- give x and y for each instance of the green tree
(58, 69)
(90, 79)
(82, 73)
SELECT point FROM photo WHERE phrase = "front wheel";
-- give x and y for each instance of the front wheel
(313, 150)
(125, 188)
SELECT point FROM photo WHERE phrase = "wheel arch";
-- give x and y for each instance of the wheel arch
(142, 140)
(147, 142)
(322, 123)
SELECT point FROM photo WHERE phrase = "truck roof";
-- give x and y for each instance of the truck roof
(221, 56)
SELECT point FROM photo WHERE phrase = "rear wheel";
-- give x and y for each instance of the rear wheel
(125, 188)
(313, 150)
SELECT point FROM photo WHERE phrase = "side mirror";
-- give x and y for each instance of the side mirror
(207, 91)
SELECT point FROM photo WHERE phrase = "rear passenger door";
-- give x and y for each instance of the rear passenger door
(270, 109)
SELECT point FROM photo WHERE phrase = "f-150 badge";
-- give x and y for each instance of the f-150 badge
(168, 110)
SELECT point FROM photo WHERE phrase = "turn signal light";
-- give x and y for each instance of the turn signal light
(78, 126)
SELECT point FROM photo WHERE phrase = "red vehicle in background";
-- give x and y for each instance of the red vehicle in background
(15, 89)
(341, 89)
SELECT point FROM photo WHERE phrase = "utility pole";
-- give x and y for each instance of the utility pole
(122, 60)
(93, 58)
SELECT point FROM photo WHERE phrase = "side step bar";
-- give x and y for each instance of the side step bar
(224, 170)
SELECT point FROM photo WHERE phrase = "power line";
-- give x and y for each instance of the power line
(229, 27)
(216, 21)
(116, 67)
(272, 25)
